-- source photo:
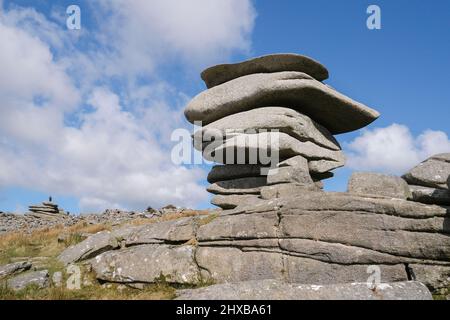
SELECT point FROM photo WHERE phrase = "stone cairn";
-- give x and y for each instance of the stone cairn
(275, 104)
(46, 210)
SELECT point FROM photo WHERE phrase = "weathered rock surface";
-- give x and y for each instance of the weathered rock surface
(436, 277)
(148, 263)
(296, 90)
(430, 195)
(310, 238)
(234, 200)
(238, 186)
(286, 190)
(293, 170)
(257, 148)
(36, 278)
(433, 172)
(234, 171)
(93, 246)
(278, 290)
(181, 230)
(219, 74)
(14, 268)
(379, 185)
(284, 120)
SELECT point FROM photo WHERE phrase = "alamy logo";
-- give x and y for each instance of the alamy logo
(227, 147)
(73, 21)
(74, 280)
(374, 279)
(374, 20)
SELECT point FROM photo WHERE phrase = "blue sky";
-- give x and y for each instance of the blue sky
(86, 116)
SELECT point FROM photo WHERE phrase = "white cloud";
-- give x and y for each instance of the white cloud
(394, 149)
(144, 33)
(115, 153)
(110, 161)
(29, 71)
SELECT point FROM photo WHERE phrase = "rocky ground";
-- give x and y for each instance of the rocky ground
(256, 251)
(30, 222)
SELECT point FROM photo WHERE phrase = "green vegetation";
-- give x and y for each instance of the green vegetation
(92, 292)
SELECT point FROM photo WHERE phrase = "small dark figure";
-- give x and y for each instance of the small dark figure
(50, 199)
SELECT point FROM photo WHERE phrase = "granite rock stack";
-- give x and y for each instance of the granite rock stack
(269, 124)
(280, 231)
(46, 210)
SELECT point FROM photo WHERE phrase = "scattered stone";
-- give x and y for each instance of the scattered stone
(57, 279)
(139, 286)
(113, 217)
(219, 74)
(278, 290)
(168, 209)
(121, 287)
(376, 184)
(63, 237)
(87, 282)
(37, 278)
(14, 268)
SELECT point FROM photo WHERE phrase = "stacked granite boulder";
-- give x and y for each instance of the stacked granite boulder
(46, 210)
(270, 105)
(429, 182)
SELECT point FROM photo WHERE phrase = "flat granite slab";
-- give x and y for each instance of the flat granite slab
(278, 290)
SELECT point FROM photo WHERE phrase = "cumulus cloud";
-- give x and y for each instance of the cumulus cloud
(109, 161)
(394, 149)
(68, 127)
(197, 31)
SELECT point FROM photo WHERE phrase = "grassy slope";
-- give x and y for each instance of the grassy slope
(42, 248)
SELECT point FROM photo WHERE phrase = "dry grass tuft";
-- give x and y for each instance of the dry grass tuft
(42, 243)
(94, 292)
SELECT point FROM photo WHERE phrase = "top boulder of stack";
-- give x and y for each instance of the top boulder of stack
(292, 89)
(222, 73)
